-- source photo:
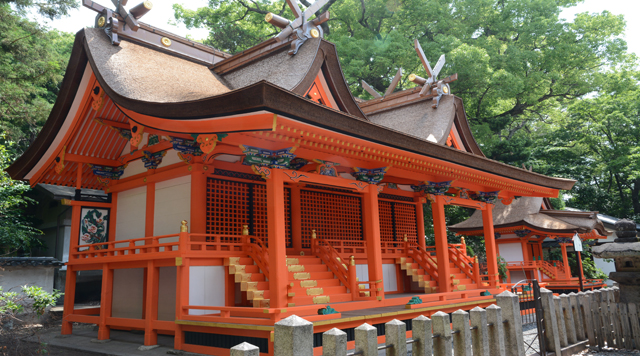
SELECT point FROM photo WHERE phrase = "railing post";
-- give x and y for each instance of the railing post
(353, 283)
(596, 313)
(334, 343)
(293, 336)
(476, 272)
(396, 336)
(314, 242)
(635, 324)
(366, 340)
(184, 236)
(496, 331)
(626, 327)
(245, 349)
(423, 336)
(462, 337)
(584, 309)
(552, 336)
(514, 341)
(442, 327)
(480, 335)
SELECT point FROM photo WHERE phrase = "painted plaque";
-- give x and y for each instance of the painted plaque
(94, 226)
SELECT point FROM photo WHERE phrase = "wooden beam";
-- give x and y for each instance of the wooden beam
(92, 160)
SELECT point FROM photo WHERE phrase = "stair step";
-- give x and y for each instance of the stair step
(249, 277)
(305, 292)
(235, 269)
(247, 286)
(308, 268)
(321, 299)
(238, 261)
(310, 275)
(307, 283)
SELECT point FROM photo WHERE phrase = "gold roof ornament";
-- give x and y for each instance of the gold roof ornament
(301, 28)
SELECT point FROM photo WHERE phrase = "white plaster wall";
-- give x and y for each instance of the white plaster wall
(167, 294)
(206, 287)
(130, 213)
(511, 252)
(172, 205)
(133, 168)
(170, 158)
(127, 293)
(390, 278)
(362, 272)
(12, 278)
(517, 276)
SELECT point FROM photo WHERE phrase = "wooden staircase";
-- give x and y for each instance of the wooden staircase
(310, 282)
(418, 274)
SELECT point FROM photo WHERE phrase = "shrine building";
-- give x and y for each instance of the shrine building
(242, 189)
(521, 230)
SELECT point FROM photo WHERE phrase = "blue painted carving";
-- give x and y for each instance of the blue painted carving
(371, 176)
(260, 157)
(486, 197)
(152, 160)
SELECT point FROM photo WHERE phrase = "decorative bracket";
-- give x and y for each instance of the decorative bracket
(153, 160)
(371, 176)
(255, 156)
(208, 141)
(522, 233)
(486, 197)
(295, 176)
(326, 168)
(106, 174)
(137, 131)
(433, 188)
(59, 165)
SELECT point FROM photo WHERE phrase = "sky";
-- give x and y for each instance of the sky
(162, 16)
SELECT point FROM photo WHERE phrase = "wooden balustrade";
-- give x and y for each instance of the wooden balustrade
(257, 249)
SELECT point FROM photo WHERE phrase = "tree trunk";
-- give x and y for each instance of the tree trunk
(635, 196)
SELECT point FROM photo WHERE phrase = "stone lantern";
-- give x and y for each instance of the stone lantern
(625, 251)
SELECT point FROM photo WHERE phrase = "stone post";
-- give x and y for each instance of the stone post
(577, 316)
(569, 321)
(395, 333)
(423, 336)
(552, 334)
(366, 340)
(245, 349)
(562, 329)
(441, 327)
(607, 328)
(584, 308)
(293, 336)
(480, 335)
(635, 324)
(514, 340)
(496, 331)
(596, 313)
(462, 336)
(626, 327)
(616, 319)
(334, 343)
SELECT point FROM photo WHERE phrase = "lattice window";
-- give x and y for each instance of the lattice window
(333, 216)
(386, 220)
(397, 219)
(406, 222)
(233, 204)
(227, 207)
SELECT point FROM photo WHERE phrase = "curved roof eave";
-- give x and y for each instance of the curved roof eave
(264, 96)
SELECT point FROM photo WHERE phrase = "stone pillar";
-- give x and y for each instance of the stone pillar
(395, 333)
(366, 340)
(480, 335)
(496, 331)
(462, 337)
(334, 343)
(514, 340)
(562, 328)
(569, 322)
(293, 336)
(245, 349)
(596, 297)
(577, 316)
(552, 335)
(423, 337)
(584, 309)
(442, 328)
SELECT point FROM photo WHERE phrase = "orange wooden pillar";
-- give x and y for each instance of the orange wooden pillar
(420, 222)
(442, 246)
(525, 255)
(104, 331)
(276, 232)
(70, 285)
(490, 245)
(565, 260)
(151, 313)
(296, 219)
(371, 220)
(199, 200)
(182, 287)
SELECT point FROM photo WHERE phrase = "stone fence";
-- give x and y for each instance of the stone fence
(596, 316)
(496, 330)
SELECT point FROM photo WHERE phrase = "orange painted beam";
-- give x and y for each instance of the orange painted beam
(490, 244)
(161, 174)
(371, 222)
(78, 203)
(236, 123)
(150, 209)
(442, 252)
(69, 157)
(276, 233)
(449, 200)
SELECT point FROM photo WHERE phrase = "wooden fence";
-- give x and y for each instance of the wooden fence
(496, 330)
(596, 316)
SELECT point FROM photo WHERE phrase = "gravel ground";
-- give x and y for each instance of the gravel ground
(608, 352)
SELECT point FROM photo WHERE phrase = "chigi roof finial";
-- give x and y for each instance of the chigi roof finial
(431, 86)
(301, 27)
(107, 19)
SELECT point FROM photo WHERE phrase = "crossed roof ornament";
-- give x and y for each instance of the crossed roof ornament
(301, 27)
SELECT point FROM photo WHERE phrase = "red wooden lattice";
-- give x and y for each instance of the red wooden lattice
(333, 216)
(386, 220)
(231, 204)
(396, 220)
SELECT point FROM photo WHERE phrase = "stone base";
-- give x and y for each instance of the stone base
(147, 348)
(96, 341)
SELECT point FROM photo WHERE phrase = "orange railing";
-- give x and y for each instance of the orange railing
(255, 247)
(141, 248)
(331, 258)
(424, 259)
(553, 269)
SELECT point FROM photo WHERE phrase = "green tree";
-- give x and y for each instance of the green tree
(32, 64)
